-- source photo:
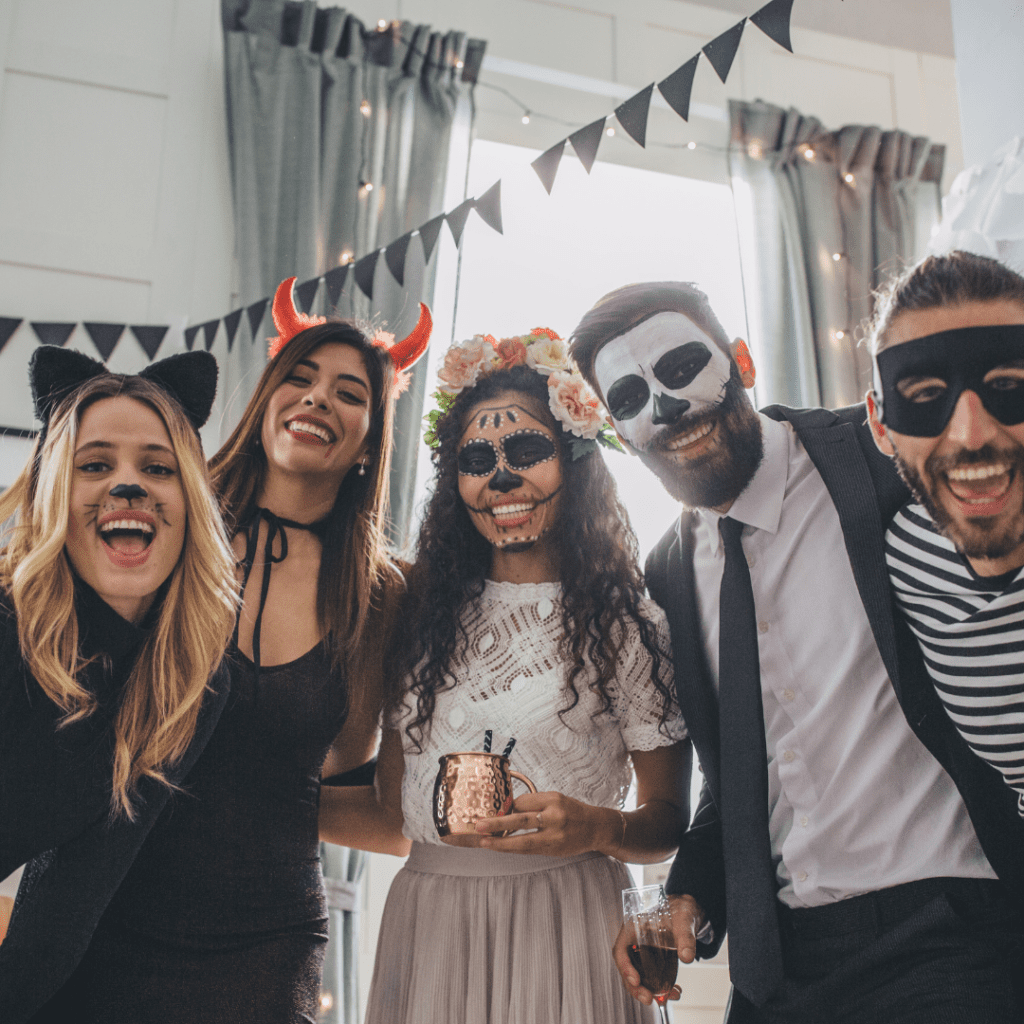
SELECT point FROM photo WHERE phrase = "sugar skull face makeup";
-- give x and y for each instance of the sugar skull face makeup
(510, 472)
(660, 376)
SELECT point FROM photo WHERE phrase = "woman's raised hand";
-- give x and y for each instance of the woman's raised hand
(554, 825)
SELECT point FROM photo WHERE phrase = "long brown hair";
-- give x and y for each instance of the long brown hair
(602, 586)
(355, 569)
(163, 695)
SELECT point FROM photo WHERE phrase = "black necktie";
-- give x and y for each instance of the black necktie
(755, 956)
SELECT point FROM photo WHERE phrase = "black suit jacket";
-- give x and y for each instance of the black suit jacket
(867, 492)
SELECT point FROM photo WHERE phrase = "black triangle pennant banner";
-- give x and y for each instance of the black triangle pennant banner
(53, 334)
(457, 219)
(105, 337)
(149, 337)
(773, 21)
(8, 325)
(546, 165)
(429, 233)
(306, 293)
(721, 51)
(363, 272)
(489, 207)
(210, 332)
(677, 87)
(394, 257)
(632, 114)
(231, 322)
(586, 141)
(334, 281)
(255, 315)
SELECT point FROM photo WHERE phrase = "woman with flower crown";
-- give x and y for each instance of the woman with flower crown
(527, 620)
(222, 917)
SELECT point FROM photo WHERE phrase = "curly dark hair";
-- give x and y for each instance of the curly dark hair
(597, 556)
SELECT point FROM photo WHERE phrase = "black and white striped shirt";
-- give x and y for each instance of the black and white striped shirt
(971, 632)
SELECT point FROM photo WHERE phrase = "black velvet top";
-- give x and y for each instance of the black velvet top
(57, 781)
(55, 786)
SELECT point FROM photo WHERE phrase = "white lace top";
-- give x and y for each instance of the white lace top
(512, 680)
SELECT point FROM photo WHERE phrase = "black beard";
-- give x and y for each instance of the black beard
(720, 475)
(980, 539)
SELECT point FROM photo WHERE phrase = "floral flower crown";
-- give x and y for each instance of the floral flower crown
(570, 398)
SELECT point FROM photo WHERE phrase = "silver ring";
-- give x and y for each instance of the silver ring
(538, 818)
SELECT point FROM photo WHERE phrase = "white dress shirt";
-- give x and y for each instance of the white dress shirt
(856, 802)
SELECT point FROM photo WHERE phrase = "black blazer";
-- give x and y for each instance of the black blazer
(867, 492)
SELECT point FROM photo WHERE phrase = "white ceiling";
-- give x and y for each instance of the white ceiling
(922, 25)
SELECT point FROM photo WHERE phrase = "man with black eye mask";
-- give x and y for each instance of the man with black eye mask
(838, 821)
(948, 406)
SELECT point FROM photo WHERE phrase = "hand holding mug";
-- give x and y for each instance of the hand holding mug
(553, 825)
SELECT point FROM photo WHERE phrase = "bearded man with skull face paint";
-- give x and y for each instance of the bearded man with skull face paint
(863, 819)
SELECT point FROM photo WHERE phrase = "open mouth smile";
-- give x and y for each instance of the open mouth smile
(127, 535)
(692, 441)
(310, 431)
(512, 514)
(981, 490)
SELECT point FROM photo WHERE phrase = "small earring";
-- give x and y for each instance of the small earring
(362, 469)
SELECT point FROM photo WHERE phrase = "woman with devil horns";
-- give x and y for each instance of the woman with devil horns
(222, 917)
(117, 600)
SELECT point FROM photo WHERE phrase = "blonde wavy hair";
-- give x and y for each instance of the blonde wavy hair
(162, 697)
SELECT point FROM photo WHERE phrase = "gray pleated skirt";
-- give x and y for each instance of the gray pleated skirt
(477, 937)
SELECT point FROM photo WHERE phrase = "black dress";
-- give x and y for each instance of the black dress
(222, 918)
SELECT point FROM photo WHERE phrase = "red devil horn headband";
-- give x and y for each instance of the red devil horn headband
(289, 322)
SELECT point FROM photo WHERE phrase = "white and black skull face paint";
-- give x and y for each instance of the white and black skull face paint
(510, 472)
(658, 373)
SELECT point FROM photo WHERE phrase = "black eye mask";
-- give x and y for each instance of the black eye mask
(961, 359)
(522, 449)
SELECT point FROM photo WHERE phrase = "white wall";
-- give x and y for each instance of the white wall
(114, 190)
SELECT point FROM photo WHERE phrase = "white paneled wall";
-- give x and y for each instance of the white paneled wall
(114, 191)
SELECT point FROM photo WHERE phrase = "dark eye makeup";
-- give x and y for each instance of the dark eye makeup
(679, 367)
(522, 449)
(478, 458)
(526, 449)
(627, 396)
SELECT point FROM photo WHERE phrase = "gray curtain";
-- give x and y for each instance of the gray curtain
(339, 993)
(824, 217)
(318, 107)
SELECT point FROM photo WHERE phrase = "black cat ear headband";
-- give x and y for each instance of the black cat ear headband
(190, 378)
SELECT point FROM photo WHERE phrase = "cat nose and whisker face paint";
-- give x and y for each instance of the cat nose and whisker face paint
(129, 492)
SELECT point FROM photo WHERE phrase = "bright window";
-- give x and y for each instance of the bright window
(560, 253)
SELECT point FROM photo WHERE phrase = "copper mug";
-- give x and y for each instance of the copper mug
(471, 786)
